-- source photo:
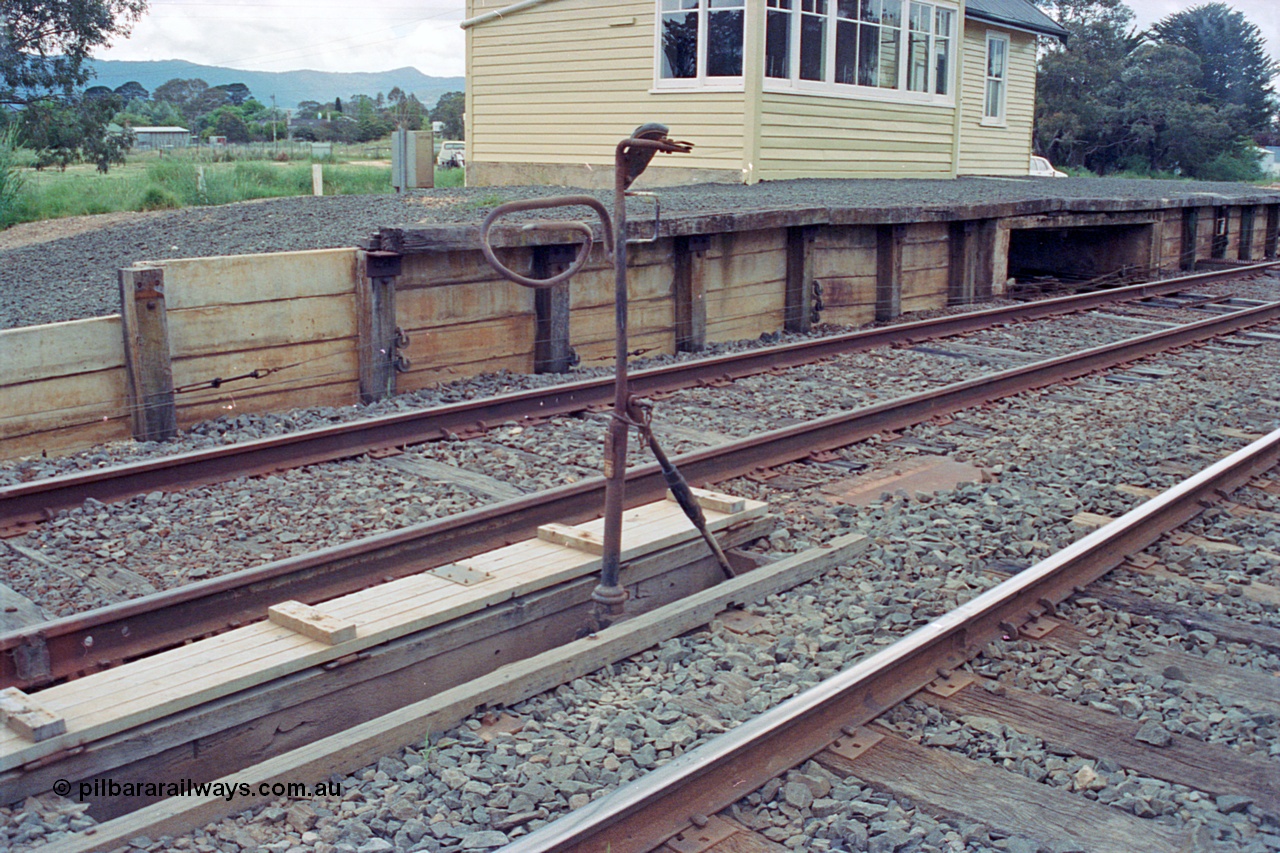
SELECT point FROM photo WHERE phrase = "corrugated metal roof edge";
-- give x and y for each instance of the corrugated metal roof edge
(1051, 29)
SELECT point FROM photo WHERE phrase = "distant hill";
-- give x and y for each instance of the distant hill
(289, 87)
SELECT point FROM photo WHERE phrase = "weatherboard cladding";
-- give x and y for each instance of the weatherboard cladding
(1014, 13)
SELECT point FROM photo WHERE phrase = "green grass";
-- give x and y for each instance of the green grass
(152, 182)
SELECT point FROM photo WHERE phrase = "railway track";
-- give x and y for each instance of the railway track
(668, 809)
(64, 647)
(25, 504)
(1082, 782)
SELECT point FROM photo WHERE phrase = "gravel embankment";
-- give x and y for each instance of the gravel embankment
(76, 277)
(1051, 454)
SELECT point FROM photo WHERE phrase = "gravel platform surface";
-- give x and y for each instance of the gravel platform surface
(1049, 455)
(76, 277)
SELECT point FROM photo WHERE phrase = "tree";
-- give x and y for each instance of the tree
(1235, 66)
(308, 109)
(449, 109)
(1073, 90)
(231, 125)
(63, 132)
(237, 93)
(132, 91)
(44, 43)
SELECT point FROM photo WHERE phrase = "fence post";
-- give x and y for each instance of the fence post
(146, 352)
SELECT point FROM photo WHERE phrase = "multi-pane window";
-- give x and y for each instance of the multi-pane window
(840, 46)
(997, 78)
(701, 40)
(847, 45)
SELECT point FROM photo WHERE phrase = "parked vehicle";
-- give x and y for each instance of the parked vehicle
(452, 154)
(1042, 168)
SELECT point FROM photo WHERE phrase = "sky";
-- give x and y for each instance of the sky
(379, 35)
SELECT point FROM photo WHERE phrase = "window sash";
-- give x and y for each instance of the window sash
(881, 49)
(700, 43)
(894, 49)
(996, 86)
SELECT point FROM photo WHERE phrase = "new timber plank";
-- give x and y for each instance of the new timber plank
(999, 798)
(351, 749)
(237, 660)
(220, 738)
(1208, 767)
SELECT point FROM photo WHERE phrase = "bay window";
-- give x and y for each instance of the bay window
(700, 42)
(882, 49)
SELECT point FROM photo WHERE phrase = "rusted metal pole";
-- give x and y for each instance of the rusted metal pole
(609, 593)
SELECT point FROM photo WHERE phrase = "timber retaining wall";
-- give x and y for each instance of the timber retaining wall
(204, 337)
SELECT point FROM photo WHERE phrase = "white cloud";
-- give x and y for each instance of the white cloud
(284, 35)
(378, 35)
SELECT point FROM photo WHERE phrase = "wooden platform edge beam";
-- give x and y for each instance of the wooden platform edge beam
(350, 750)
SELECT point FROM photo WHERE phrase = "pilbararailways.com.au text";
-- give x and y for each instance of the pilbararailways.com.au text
(98, 788)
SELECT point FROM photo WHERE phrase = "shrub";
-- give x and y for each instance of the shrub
(12, 181)
(158, 198)
(1231, 166)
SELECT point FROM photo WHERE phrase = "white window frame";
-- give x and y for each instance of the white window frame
(700, 82)
(1002, 119)
(900, 94)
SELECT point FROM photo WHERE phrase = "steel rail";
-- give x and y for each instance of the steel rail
(36, 501)
(643, 814)
(62, 647)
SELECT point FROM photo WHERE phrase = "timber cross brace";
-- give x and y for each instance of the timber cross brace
(631, 158)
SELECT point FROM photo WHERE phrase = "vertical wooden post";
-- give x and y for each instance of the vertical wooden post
(146, 351)
(376, 274)
(1221, 232)
(959, 282)
(1190, 230)
(1273, 231)
(1246, 232)
(970, 270)
(798, 313)
(551, 350)
(689, 292)
(889, 271)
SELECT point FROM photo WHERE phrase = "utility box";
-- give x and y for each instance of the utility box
(413, 160)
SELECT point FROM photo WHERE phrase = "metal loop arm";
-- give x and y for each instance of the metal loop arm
(542, 204)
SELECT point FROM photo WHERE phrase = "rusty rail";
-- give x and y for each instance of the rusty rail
(645, 813)
(34, 502)
(63, 647)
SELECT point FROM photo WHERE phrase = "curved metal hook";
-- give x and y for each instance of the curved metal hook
(541, 204)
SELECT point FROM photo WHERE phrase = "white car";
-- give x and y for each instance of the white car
(1042, 168)
(452, 154)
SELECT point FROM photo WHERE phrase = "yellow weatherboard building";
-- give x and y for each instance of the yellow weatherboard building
(766, 89)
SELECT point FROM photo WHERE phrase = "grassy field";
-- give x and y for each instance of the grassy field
(153, 182)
